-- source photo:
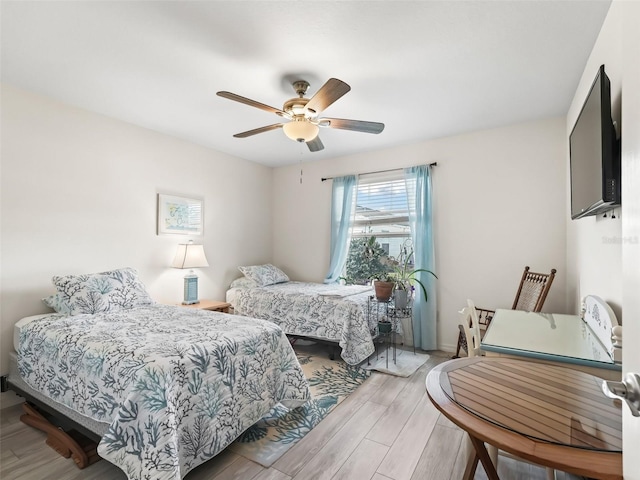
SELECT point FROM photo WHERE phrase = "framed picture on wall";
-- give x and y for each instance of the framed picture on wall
(180, 215)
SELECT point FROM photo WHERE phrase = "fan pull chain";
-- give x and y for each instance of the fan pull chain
(301, 164)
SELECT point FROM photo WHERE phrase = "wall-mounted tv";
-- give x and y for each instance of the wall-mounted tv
(595, 154)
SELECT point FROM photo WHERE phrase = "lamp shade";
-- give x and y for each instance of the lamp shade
(190, 255)
(300, 130)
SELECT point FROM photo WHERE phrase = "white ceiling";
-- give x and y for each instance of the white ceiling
(426, 69)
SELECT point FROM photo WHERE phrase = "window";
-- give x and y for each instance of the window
(381, 212)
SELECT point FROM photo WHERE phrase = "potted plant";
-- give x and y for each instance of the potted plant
(384, 326)
(383, 286)
(405, 278)
(368, 261)
(381, 269)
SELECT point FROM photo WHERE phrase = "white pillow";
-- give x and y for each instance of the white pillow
(264, 274)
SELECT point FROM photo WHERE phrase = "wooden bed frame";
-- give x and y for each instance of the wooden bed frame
(66, 436)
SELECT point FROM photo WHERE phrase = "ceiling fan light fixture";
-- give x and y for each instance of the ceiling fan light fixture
(300, 130)
(295, 106)
(297, 109)
(303, 114)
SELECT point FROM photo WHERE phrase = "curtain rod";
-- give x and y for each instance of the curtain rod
(434, 164)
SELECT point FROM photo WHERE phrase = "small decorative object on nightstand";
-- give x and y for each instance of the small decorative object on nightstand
(210, 305)
(190, 256)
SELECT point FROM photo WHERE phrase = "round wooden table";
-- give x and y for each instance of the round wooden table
(551, 416)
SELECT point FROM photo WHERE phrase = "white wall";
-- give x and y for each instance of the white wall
(631, 221)
(594, 244)
(79, 195)
(596, 247)
(499, 204)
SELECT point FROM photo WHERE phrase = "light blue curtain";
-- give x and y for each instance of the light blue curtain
(342, 199)
(418, 182)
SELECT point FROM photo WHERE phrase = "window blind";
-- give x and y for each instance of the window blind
(381, 209)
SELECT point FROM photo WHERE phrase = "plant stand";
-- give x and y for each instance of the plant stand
(401, 313)
(389, 324)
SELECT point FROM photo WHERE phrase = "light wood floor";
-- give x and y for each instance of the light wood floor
(386, 430)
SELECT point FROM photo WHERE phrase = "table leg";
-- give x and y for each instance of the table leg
(483, 456)
(471, 464)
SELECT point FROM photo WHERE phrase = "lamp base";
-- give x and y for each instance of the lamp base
(191, 303)
(190, 290)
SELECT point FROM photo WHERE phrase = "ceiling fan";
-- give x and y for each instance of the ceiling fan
(303, 114)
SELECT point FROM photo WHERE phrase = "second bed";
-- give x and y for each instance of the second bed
(331, 313)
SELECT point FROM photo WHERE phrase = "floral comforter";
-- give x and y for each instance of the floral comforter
(315, 310)
(176, 385)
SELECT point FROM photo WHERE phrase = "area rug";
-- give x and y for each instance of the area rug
(331, 381)
(405, 365)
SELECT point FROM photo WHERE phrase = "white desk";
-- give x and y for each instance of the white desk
(549, 338)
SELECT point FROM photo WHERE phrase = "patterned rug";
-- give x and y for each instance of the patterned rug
(331, 381)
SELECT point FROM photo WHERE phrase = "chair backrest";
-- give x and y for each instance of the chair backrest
(533, 290)
(469, 321)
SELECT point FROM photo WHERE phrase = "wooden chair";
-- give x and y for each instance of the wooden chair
(531, 295)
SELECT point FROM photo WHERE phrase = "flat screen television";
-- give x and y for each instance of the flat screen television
(595, 154)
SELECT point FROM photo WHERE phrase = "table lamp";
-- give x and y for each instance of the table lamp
(190, 255)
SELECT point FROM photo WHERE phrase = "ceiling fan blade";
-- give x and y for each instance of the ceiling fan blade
(255, 131)
(252, 103)
(328, 93)
(315, 145)
(356, 125)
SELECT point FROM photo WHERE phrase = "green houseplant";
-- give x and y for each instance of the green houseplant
(383, 286)
(405, 277)
(381, 269)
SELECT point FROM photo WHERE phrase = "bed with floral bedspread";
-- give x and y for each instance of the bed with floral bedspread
(325, 311)
(176, 385)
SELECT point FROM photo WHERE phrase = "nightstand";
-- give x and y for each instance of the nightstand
(210, 305)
